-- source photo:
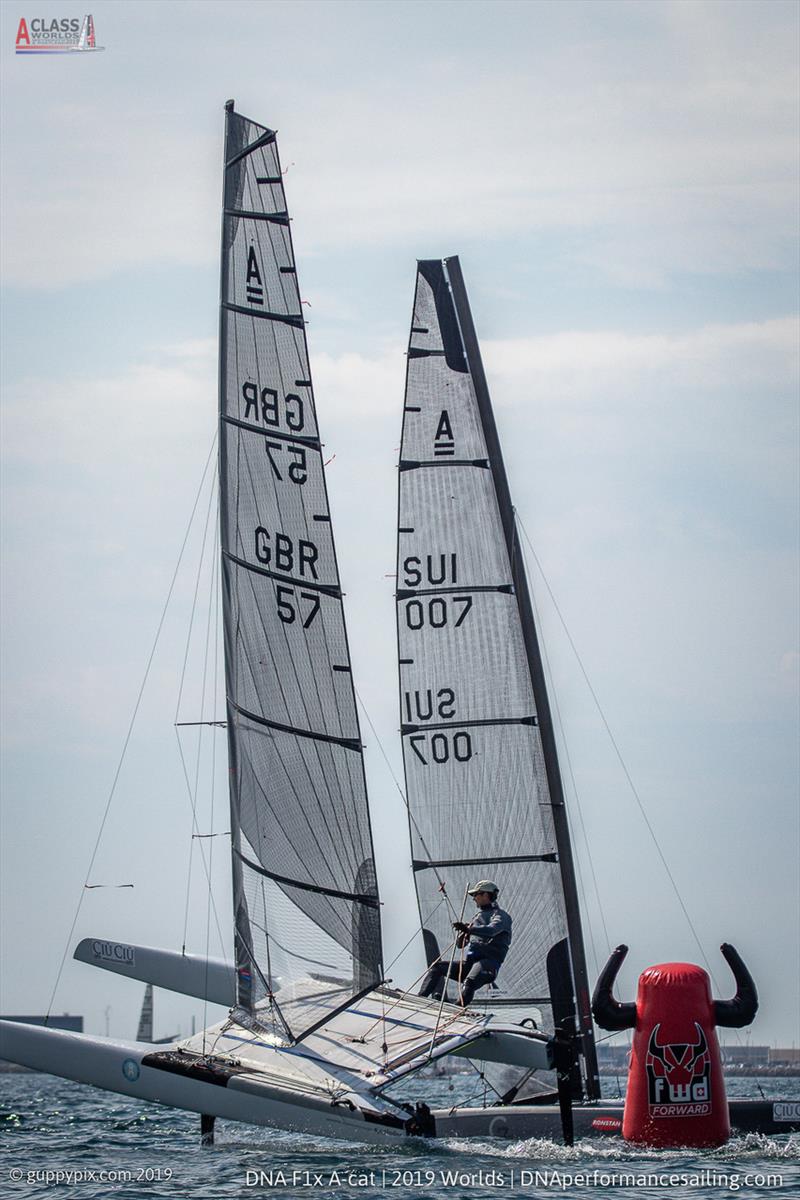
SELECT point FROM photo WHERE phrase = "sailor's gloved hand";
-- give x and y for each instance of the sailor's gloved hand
(459, 927)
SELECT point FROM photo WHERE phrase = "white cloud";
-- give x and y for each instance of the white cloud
(672, 160)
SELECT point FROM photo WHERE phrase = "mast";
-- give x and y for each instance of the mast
(545, 721)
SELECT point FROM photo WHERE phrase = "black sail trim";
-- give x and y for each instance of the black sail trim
(311, 442)
(411, 465)
(414, 352)
(419, 864)
(432, 271)
(326, 589)
(266, 139)
(406, 729)
(269, 179)
(347, 743)
(359, 897)
(284, 318)
(277, 218)
(507, 589)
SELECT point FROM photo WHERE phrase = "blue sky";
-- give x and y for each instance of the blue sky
(620, 182)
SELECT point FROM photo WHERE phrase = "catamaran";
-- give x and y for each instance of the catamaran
(315, 1038)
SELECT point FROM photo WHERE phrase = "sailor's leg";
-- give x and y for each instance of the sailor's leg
(479, 974)
(433, 982)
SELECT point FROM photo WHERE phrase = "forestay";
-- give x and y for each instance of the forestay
(480, 792)
(305, 891)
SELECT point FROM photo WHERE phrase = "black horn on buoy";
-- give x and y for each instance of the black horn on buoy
(733, 1014)
(608, 1012)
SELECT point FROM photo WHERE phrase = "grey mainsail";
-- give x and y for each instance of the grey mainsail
(307, 929)
(484, 789)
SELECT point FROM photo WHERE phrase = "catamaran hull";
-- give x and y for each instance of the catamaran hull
(519, 1122)
(121, 1067)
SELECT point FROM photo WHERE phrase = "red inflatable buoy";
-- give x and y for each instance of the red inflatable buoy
(676, 1090)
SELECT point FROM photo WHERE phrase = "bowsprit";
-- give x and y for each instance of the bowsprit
(676, 1090)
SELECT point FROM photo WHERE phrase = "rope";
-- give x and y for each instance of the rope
(192, 797)
(587, 844)
(618, 753)
(209, 898)
(447, 976)
(128, 735)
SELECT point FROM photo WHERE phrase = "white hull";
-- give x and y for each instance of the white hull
(118, 1066)
(191, 974)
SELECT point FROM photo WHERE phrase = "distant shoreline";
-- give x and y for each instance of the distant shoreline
(787, 1070)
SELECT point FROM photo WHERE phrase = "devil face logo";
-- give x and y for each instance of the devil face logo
(678, 1076)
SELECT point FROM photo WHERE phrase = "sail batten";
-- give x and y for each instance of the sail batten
(305, 889)
(482, 783)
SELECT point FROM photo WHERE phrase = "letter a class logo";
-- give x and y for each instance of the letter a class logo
(254, 282)
(444, 444)
(23, 37)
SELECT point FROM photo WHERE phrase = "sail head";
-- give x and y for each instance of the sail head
(305, 890)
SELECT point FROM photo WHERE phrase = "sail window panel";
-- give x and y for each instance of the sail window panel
(303, 809)
(269, 521)
(477, 792)
(267, 375)
(257, 250)
(300, 959)
(447, 424)
(452, 510)
(287, 642)
(298, 947)
(472, 671)
(301, 813)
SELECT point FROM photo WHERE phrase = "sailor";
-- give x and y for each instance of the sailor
(486, 939)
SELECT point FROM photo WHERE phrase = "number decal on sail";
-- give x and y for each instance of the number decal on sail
(437, 612)
(261, 405)
(297, 468)
(442, 747)
(288, 609)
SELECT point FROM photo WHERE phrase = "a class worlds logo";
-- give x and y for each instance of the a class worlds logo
(130, 1069)
(56, 35)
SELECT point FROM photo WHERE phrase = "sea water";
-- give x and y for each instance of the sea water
(67, 1141)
